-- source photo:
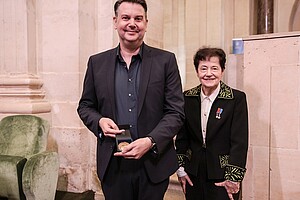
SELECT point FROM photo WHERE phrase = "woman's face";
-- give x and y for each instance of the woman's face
(210, 74)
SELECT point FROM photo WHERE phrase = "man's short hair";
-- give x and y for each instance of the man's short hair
(141, 2)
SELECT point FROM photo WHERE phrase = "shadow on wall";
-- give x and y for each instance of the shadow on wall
(295, 17)
(257, 179)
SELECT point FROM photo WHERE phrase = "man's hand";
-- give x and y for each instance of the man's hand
(136, 149)
(231, 187)
(109, 128)
(183, 180)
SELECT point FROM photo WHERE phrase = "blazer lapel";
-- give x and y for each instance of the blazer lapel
(110, 79)
(193, 104)
(144, 76)
(197, 112)
(218, 110)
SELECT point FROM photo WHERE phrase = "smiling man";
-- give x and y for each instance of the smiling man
(133, 90)
(212, 145)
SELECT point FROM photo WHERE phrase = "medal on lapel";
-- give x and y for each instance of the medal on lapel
(218, 113)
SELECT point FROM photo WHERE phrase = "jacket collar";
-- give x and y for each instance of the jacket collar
(225, 91)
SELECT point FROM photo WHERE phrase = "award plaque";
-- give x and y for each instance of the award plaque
(124, 138)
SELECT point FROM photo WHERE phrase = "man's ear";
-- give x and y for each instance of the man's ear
(115, 22)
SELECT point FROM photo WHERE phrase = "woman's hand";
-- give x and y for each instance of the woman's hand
(183, 181)
(230, 186)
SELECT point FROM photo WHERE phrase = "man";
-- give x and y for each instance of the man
(212, 145)
(137, 86)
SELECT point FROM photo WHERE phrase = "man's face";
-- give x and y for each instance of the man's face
(210, 74)
(130, 23)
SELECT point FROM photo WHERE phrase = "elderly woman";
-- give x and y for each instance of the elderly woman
(212, 146)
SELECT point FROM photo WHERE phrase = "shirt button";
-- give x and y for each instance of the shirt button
(129, 110)
(129, 80)
(129, 95)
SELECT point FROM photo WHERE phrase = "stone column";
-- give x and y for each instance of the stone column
(174, 32)
(265, 16)
(294, 24)
(20, 86)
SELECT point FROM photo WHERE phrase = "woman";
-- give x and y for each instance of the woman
(212, 146)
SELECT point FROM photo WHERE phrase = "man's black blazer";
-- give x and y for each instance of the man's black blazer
(160, 107)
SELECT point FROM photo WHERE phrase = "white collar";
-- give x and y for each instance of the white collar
(213, 95)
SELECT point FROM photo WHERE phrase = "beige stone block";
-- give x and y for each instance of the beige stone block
(229, 23)
(174, 195)
(192, 80)
(261, 50)
(194, 34)
(75, 146)
(242, 18)
(282, 12)
(77, 160)
(174, 191)
(261, 172)
(284, 106)
(272, 86)
(247, 191)
(280, 55)
(17, 37)
(99, 196)
(154, 36)
(234, 71)
(107, 36)
(95, 182)
(77, 151)
(258, 116)
(284, 176)
(62, 87)
(59, 34)
(73, 178)
(214, 16)
(65, 114)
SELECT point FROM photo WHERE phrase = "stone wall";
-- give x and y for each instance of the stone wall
(271, 82)
(45, 45)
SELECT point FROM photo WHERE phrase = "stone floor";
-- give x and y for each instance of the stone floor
(171, 194)
(174, 191)
(90, 195)
(174, 195)
(61, 195)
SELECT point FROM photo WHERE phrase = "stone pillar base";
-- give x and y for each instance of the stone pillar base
(22, 95)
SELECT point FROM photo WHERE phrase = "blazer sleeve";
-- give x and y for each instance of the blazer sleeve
(235, 169)
(87, 108)
(173, 107)
(182, 147)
